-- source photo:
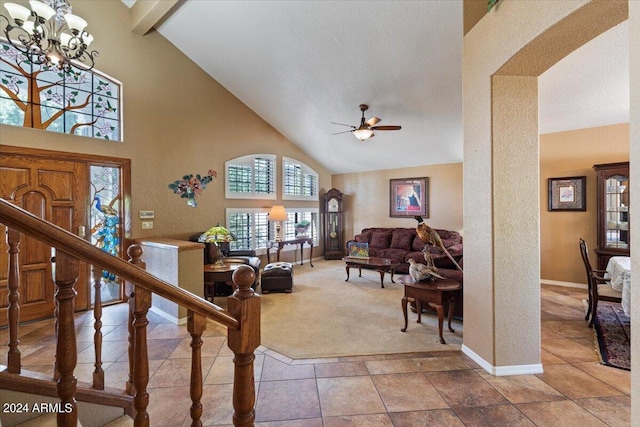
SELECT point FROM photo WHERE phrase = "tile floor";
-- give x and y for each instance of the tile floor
(425, 389)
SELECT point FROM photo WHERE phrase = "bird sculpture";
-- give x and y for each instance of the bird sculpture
(430, 237)
(421, 272)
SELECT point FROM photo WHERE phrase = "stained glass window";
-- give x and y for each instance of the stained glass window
(83, 103)
(105, 221)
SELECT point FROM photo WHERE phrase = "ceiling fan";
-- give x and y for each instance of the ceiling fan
(366, 128)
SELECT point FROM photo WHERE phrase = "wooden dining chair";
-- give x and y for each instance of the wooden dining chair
(599, 287)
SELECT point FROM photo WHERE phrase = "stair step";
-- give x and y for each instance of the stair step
(47, 420)
(123, 421)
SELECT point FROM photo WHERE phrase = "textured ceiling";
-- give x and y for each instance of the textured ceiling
(302, 65)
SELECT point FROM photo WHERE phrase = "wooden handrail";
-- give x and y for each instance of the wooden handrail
(29, 224)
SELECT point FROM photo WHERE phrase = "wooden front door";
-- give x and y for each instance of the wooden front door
(56, 190)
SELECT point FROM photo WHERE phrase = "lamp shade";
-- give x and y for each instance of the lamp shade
(217, 234)
(278, 213)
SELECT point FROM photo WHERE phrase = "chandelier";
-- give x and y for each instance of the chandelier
(53, 38)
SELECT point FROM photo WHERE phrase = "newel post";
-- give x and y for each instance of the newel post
(244, 305)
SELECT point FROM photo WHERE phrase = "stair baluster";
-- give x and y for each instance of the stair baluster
(140, 305)
(196, 324)
(66, 276)
(135, 257)
(98, 373)
(13, 312)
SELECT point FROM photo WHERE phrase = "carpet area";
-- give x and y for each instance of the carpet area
(324, 316)
(613, 330)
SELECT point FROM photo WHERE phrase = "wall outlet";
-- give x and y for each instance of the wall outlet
(147, 225)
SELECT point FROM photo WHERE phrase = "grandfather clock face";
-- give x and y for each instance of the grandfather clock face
(333, 205)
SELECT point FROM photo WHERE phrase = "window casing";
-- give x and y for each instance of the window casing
(251, 177)
(300, 182)
(252, 228)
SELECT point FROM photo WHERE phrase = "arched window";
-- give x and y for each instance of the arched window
(79, 102)
(251, 177)
(300, 182)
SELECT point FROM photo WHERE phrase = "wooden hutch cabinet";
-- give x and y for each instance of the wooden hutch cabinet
(613, 211)
(333, 225)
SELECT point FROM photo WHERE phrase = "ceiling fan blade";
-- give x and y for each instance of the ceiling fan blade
(342, 124)
(372, 121)
(338, 133)
(388, 127)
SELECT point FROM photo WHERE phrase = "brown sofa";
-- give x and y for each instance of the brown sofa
(401, 244)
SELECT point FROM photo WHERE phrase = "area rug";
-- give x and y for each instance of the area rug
(613, 330)
(325, 316)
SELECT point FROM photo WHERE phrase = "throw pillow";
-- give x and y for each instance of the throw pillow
(401, 240)
(380, 240)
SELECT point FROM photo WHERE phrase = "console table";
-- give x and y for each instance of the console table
(278, 245)
(434, 293)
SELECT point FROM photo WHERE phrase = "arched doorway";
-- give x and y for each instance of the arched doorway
(503, 56)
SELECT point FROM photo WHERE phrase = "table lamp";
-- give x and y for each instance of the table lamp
(278, 214)
(220, 237)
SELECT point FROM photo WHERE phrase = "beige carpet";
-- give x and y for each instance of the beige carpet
(325, 316)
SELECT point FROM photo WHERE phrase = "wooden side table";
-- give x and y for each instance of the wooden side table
(434, 293)
(214, 274)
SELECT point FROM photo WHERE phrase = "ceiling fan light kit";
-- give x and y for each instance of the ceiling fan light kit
(366, 128)
(363, 134)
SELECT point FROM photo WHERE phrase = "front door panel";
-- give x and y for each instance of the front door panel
(56, 191)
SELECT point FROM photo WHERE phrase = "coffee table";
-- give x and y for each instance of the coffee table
(381, 265)
(434, 293)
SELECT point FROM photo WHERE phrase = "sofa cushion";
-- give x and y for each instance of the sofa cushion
(395, 255)
(364, 237)
(401, 239)
(380, 240)
(417, 244)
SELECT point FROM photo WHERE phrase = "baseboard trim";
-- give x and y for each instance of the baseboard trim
(170, 318)
(500, 371)
(565, 284)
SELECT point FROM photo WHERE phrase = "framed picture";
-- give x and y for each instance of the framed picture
(358, 250)
(408, 197)
(568, 194)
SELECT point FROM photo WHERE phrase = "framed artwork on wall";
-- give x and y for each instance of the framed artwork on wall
(568, 194)
(409, 197)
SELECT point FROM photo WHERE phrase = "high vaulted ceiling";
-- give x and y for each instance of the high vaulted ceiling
(301, 65)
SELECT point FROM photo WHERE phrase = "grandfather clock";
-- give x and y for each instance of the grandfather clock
(333, 225)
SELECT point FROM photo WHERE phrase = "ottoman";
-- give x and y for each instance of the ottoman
(277, 276)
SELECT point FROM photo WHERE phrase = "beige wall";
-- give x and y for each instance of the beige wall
(366, 197)
(177, 120)
(566, 154)
(518, 39)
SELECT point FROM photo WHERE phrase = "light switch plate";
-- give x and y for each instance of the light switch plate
(147, 214)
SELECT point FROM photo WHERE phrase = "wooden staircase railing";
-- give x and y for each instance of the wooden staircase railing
(242, 319)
